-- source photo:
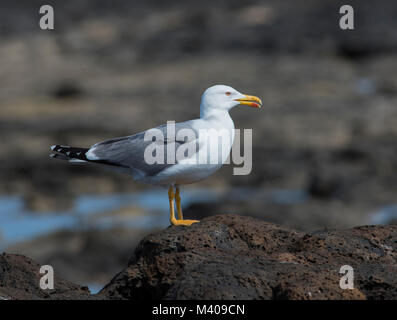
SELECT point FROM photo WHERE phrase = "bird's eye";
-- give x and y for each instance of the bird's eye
(228, 93)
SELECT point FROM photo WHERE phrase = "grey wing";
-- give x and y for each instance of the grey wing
(129, 152)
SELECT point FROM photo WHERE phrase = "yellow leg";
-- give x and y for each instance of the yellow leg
(177, 222)
(178, 204)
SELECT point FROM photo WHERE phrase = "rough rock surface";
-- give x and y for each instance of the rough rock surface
(234, 257)
(20, 279)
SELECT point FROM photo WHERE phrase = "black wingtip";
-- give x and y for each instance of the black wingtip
(67, 152)
(59, 156)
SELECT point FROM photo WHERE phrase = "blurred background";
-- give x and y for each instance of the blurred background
(324, 144)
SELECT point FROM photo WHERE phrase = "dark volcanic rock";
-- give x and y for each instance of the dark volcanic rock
(233, 257)
(20, 278)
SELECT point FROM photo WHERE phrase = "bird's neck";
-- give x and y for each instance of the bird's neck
(217, 117)
(207, 112)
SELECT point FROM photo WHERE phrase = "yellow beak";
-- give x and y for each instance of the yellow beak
(251, 101)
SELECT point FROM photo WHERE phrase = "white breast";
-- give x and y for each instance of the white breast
(216, 136)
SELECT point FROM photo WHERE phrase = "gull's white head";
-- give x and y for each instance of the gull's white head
(224, 98)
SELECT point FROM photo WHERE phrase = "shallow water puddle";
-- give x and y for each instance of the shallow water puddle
(19, 224)
(384, 215)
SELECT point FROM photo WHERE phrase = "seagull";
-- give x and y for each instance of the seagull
(132, 154)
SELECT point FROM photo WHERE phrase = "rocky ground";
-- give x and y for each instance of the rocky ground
(89, 257)
(234, 257)
(20, 278)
